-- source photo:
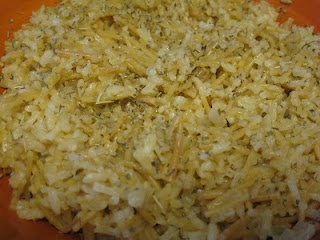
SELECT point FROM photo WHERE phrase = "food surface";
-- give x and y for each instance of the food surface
(286, 1)
(164, 120)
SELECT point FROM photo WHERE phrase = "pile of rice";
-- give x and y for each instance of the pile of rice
(166, 119)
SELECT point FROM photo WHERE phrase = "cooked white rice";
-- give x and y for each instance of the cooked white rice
(164, 120)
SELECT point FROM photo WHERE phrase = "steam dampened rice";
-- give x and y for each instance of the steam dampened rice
(164, 120)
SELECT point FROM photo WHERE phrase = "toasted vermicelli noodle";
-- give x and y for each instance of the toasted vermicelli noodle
(164, 120)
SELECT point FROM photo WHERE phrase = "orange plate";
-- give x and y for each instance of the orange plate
(13, 14)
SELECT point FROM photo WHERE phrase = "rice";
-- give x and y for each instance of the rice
(164, 120)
